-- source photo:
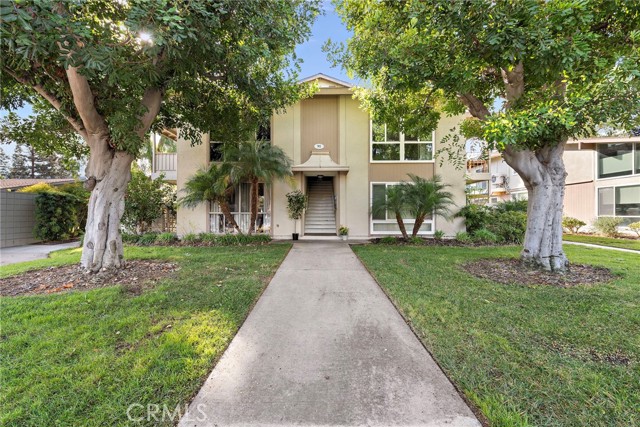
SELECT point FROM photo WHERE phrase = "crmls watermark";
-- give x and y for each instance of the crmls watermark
(138, 413)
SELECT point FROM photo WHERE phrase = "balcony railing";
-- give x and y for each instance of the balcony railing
(165, 162)
(477, 170)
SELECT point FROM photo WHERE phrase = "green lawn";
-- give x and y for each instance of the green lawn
(82, 358)
(604, 241)
(526, 356)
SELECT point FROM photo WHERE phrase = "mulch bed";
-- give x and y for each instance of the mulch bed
(422, 241)
(511, 271)
(135, 276)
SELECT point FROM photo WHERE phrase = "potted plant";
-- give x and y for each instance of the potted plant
(296, 204)
(343, 231)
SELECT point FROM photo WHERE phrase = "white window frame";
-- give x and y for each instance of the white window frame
(635, 146)
(408, 222)
(401, 141)
(613, 187)
(244, 216)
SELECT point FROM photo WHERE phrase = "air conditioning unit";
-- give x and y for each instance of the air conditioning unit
(498, 179)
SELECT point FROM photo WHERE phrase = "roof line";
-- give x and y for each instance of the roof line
(325, 77)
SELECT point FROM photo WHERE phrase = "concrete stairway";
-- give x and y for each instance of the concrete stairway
(320, 216)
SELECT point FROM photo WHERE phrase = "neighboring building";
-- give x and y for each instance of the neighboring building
(340, 161)
(603, 179)
(17, 184)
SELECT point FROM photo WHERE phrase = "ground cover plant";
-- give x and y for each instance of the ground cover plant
(624, 243)
(81, 358)
(524, 355)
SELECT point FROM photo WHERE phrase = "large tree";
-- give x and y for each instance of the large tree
(560, 68)
(26, 162)
(117, 69)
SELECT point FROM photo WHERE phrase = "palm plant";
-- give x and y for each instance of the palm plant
(212, 184)
(255, 162)
(393, 200)
(427, 197)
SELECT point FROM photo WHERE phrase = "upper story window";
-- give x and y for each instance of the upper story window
(618, 159)
(264, 133)
(390, 145)
(216, 152)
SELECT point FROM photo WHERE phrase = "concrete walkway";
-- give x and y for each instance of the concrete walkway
(591, 245)
(31, 252)
(324, 346)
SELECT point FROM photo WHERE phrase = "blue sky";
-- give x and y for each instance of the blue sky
(327, 26)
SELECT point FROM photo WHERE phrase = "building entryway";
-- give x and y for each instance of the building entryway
(320, 216)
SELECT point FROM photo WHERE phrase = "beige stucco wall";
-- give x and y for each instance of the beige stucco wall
(190, 159)
(285, 133)
(450, 175)
(355, 186)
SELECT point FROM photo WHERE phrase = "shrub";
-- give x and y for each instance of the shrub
(207, 237)
(129, 238)
(39, 188)
(438, 235)
(143, 202)
(415, 240)
(55, 216)
(463, 237)
(512, 206)
(475, 217)
(190, 238)
(166, 238)
(607, 225)
(572, 224)
(635, 227)
(485, 236)
(82, 195)
(508, 226)
(147, 239)
(388, 240)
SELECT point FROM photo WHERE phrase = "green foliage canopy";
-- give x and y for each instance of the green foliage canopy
(213, 64)
(562, 67)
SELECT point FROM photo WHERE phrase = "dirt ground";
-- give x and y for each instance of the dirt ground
(137, 275)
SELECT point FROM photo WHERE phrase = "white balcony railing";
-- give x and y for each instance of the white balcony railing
(165, 162)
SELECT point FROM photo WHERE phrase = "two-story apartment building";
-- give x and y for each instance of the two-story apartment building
(603, 179)
(341, 160)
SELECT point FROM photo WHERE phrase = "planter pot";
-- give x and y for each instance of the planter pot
(344, 237)
(295, 236)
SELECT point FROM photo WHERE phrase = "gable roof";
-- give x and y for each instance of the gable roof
(326, 82)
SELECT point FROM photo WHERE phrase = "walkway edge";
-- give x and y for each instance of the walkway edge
(591, 245)
(476, 411)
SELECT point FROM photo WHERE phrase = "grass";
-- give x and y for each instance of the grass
(525, 356)
(82, 358)
(604, 241)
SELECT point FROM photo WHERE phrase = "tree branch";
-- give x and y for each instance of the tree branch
(475, 106)
(514, 83)
(84, 102)
(152, 100)
(53, 100)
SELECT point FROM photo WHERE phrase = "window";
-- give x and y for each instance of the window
(385, 222)
(264, 133)
(239, 205)
(390, 145)
(216, 153)
(615, 160)
(622, 201)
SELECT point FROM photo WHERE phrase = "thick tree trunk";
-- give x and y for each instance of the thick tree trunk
(254, 206)
(544, 174)
(102, 246)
